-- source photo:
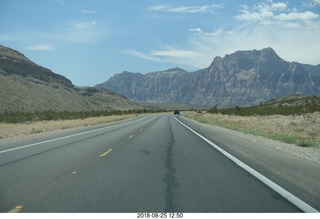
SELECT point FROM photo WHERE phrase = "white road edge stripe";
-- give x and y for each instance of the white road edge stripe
(64, 137)
(290, 197)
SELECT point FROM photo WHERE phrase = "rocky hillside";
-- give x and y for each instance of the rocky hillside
(28, 87)
(14, 63)
(294, 101)
(242, 78)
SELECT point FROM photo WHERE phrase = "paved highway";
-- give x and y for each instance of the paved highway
(147, 164)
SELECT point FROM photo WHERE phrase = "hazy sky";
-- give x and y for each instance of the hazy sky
(88, 41)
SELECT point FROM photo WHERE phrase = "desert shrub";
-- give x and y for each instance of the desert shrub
(305, 143)
(265, 110)
(21, 117)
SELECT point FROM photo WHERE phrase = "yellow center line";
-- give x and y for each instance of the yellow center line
(17, 209)
(105, 153)
(130, 136)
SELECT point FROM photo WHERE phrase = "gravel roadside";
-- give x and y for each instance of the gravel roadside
(290, 125)
(9, 130)
(292, 167)
(307, 153)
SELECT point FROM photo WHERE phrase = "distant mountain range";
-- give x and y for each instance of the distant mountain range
(28, 87)
(242, 78)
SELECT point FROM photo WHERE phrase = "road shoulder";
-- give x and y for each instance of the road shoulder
(298, 173)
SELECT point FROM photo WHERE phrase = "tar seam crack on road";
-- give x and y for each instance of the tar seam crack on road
(170, 173)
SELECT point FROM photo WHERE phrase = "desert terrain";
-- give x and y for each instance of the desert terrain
(10, 130)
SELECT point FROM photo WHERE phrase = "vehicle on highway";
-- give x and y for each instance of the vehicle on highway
(176, 112)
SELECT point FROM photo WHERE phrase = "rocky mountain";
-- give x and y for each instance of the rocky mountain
(28, 87)
(155, 87)
(242, 78)
(13, 62)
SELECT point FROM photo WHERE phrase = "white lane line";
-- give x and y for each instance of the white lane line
(287, 195)
(64, 137)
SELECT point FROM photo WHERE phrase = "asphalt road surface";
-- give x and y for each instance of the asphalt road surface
(147, 164)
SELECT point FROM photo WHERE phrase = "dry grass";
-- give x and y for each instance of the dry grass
(8, 130)
(302, 130)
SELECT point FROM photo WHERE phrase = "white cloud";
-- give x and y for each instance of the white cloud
(82, 32)
(89, 11)
(196, 30)
(303, 16)
(41, 47)
(84, 25)
(291, 33)
(200, 32)
(9, 37)
(169, 55)
(311, 3)
(279, 6)
(295, 25)
(141, 55)
(169, 51)
(261, 11)
(159, 8)
(292, 45)
(253, 15)
(187, 9)
(72, 32)
(270, 13)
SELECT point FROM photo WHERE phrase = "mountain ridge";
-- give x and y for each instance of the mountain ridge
(242, 78)
(28, 87)
(14, 62)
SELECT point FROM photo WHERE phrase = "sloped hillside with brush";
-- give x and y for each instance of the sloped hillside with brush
(28, 87)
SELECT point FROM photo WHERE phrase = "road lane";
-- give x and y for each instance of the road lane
(217, 184)
(153, 165)
(298, 176)
(24, 172)
(39, 140)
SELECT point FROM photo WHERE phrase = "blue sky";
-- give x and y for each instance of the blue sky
(88, 41)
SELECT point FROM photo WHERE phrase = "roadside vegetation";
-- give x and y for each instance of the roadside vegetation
(26, 123)
(13, 130)
(22, 117)
(292, 105)
(294, 119)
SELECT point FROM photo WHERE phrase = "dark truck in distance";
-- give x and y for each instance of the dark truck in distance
(176, 112)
